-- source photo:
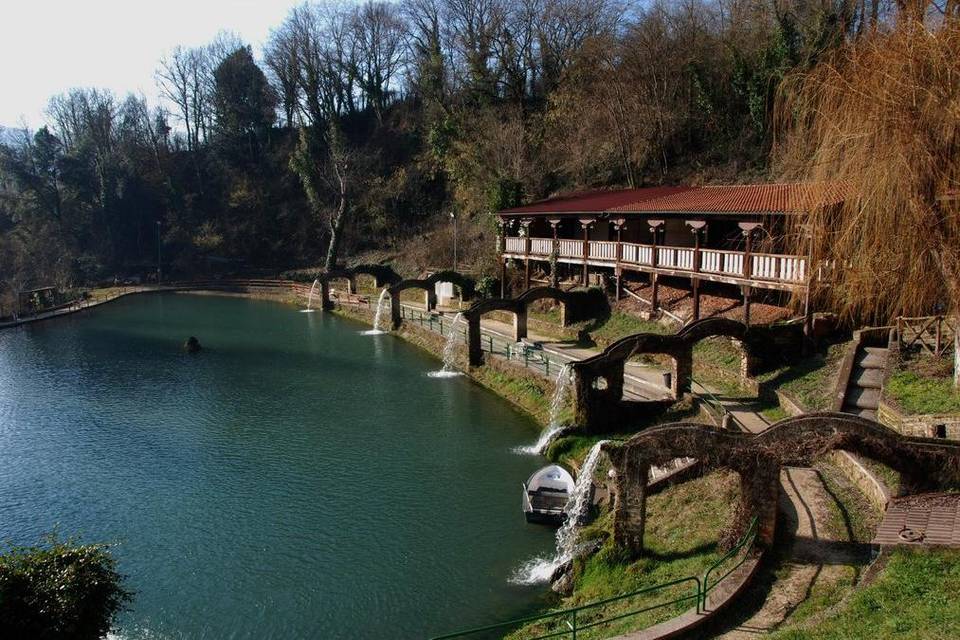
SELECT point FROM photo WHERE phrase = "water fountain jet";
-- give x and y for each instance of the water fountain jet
(554, 428)
(449, 369)
(378, 316)
(313, 288)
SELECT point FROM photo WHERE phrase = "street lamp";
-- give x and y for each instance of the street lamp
(158, 252)
(453, 216)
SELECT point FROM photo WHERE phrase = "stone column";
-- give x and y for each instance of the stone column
(474, 348)
(520, 323)
(525, 223)
(430, 299)
(395, 318)
(597, 409)
(619, 224)
(630, 507)
(759, 496)
(682, 371)
(352, 284)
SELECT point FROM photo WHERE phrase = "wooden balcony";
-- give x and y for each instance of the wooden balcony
(763, 270)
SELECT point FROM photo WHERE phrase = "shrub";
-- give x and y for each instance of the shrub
(59, 590)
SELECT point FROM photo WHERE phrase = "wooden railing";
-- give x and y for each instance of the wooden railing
(570, 248)
(516, 245)
(763, 267)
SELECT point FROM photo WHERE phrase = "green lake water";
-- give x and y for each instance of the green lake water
(296, 479)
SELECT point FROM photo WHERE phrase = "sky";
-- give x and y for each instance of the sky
(49, 46)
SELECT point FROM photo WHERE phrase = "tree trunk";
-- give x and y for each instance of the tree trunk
(336, 225)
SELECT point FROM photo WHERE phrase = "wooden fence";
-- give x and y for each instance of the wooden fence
(933, 334)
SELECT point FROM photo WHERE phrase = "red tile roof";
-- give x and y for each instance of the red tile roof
(756, 198)
(594, 201)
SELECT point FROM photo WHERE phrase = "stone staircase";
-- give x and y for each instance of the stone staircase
(863, 389)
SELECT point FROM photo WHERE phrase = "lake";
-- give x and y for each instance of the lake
(295, 479)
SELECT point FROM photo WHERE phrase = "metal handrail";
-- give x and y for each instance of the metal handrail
(569, 616)
(714, 402)
(746, 541)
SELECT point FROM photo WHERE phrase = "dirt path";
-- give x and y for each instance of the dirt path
(819, 557)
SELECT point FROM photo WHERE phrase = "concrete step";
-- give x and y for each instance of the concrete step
(869, 414)
(866, 378)
(872, 357)
(862, 398)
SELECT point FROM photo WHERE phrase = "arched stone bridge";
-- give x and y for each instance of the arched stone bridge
(575, 305)
(598, 380)
(924, 463)
(382, 275)
(466, 284)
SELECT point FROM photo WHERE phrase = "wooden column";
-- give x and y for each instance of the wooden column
(555, 265)
(525, 223)
(619, 224)
(696, 226)
(747, 228)
(655, 226)
(586, 224)
(502, 226)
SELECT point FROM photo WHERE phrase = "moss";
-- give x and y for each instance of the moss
(912, 598)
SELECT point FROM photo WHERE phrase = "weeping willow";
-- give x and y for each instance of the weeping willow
(880, 120)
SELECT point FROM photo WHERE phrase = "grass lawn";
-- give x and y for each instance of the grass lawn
(683, 525)
(923, 384)
(620, 324)
(811, 380)
(913, 598)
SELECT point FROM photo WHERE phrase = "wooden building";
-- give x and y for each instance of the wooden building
(735, 235)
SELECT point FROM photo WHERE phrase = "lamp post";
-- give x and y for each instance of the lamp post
(453, 216)
(158, 252)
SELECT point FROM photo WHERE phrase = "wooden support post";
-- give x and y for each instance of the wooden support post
(555, 251)
(695, 284)
(503, 277)
(619, 224)
(586, 223)
(746, 304)
(655, 226)
(696, 226)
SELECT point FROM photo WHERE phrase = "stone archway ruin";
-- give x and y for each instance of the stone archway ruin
(598, 407)
(466, 284)
(924, 463)
(575, 305)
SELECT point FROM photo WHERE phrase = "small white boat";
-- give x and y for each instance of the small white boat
(545, 494)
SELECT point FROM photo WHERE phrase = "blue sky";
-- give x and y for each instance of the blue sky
(48, 46)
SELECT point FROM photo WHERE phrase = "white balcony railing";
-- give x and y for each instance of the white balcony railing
(516, 245)
(763, 266)
(728, 263)
(570, 248)
(541, 246)
(603, 250)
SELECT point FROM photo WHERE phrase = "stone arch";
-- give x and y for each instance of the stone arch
(383, 274)
(466, 284)
(798, 441)
(596, 410)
